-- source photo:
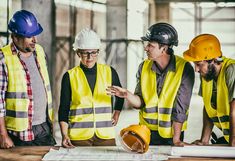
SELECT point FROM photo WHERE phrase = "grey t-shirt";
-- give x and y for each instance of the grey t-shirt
(182, 100)
(38, 90)
(230, 82)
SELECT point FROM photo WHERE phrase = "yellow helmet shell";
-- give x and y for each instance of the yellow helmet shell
(203, 47)
(136, 138)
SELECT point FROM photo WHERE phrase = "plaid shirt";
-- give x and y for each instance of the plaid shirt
(26, 135)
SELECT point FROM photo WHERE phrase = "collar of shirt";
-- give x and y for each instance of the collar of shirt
(17, 51)
(14, 49)
(170, 67)
(89, 70)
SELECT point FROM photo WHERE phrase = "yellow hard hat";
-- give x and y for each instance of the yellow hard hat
(136, 138)
(203, 47)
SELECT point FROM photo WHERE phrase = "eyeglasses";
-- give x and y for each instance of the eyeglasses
(92, 53)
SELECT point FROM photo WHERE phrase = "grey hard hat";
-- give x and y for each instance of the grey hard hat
(162, 33)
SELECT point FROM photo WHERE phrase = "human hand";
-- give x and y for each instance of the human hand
(66, 143)
(6, 142)
(232, 141)
(117, 91)
(115, 117)
(180, 143)
(199, 142)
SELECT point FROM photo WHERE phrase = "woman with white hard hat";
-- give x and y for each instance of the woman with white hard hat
(86, 115)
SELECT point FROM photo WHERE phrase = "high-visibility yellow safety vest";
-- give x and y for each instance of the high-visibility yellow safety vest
(220, 115)
(90, 114)
(156, 115)
(17, 100)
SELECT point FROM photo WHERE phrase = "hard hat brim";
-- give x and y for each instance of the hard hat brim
(38, 31)
(141, 136)
(144, 38)
(187, 56)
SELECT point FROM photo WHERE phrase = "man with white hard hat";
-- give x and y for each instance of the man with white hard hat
(85, 112)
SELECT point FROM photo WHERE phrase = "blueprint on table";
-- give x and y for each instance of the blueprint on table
(106, 153)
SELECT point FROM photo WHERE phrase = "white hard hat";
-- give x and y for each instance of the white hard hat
(86, 39)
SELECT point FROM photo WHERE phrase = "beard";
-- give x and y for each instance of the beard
(28, 49)
(211, 73)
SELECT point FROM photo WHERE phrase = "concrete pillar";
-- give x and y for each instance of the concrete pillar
(44, 12)
(116, 21)
(159, 12)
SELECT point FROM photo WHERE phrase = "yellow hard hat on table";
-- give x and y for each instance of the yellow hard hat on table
(135, 138)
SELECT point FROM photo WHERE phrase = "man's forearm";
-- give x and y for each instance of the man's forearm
(134, 100)
(3, 130)
(177, 126)
(232, 123)
(207, 127)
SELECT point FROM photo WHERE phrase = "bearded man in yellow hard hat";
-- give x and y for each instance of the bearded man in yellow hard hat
(217, 88)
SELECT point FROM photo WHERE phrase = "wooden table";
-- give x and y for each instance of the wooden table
(29, 153)
(36, 153)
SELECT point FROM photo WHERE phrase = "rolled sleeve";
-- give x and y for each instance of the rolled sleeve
(182, 102)
(230, 81)
(2, 113)
(179, 117)
(138, 90)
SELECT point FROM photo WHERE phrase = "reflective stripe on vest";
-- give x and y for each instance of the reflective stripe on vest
(90, 114)
(17, 101)
(157, 112)
(219, 116)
